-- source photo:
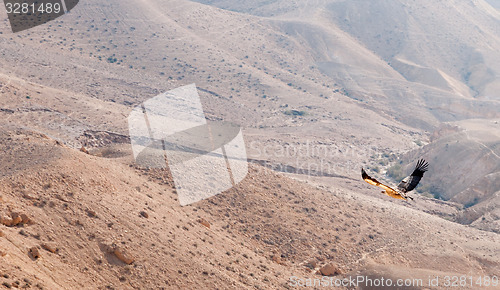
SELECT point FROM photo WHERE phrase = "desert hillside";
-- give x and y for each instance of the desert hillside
(84, 208)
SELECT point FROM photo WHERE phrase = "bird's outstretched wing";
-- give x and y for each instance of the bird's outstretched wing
(410, 182)
(388, 190)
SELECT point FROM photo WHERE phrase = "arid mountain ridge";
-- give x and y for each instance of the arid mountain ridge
(305, 58)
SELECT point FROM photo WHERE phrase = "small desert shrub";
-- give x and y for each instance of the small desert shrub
(295, 113)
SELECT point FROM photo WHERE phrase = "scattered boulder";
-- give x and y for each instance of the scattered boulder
(311, 264)
(204, 222)
(82, 149)
(329, 270)
(91, 213)
(28, 196)
(123, 255)
(50, 247)
(15, 219)
(26, 220)
(144, 214)
(278, 260)
(34, 252)
(6, 221)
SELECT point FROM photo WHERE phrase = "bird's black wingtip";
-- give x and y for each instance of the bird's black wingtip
(363, 173)
(422, 165)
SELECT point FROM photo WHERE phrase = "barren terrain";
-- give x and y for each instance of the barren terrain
(258, 234)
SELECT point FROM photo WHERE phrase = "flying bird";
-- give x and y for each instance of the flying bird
(405, 186)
